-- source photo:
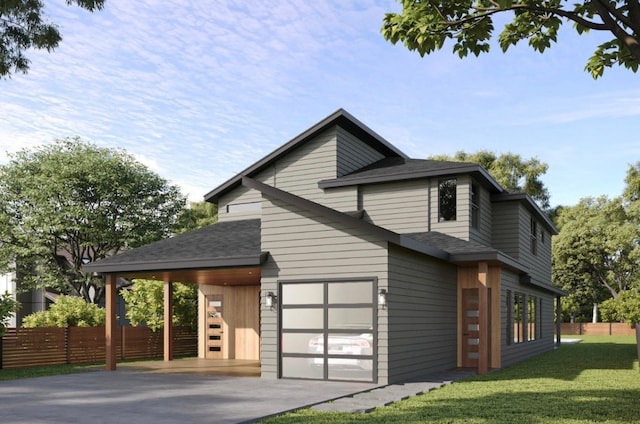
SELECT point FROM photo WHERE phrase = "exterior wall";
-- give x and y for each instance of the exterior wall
(422, 315)
(460, 227)
(304, 246)
(353, 154)
(540, 263)
(506, 228)
(482, 234)
(516, 352)
(402, 207)
(7, 285)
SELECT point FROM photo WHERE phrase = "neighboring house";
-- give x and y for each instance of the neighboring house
(337, 257)
(31, 301)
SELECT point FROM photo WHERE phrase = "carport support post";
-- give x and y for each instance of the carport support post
(483, 318)
(168, 324)
(110, 323)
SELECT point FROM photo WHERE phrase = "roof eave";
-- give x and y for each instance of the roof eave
(529, 204)
(229, 262)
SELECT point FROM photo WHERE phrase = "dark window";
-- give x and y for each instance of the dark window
(532, 321)
(447, 199)
(475, 205)
(534, 237)
(518, 318)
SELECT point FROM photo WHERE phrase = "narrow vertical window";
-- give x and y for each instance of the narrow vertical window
(447, 199)
(532, 303)
(534, 237)
(518, 318)
(475, 206)
(509, 326)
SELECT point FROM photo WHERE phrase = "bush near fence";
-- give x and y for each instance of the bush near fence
(597, 329)
(30, 347)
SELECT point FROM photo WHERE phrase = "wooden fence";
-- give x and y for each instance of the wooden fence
(30, 347)
(597, 329)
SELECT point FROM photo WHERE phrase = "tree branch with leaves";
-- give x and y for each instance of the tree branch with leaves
(424, 26)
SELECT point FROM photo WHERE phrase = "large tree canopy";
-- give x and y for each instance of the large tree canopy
(510, 171)
(70, 203)
(597, 252)
(426, 25)
(23, 25)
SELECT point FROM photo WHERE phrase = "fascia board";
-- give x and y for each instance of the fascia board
(176, 264)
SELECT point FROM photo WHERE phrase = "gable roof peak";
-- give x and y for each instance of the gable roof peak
(340, 118)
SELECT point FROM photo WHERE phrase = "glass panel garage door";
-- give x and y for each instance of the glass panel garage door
(328, 330)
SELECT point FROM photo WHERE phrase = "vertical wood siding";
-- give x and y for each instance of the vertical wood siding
(422, 315)
(304, 246)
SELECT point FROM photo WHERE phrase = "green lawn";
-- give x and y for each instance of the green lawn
(16, 373)
(596, 381)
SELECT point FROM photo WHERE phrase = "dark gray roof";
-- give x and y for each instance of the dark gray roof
(461, 251)
(400, 169)
(340, 118)
(233, 243)
(450, 244)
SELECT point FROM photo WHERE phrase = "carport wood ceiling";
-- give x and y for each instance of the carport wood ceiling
(239, 276)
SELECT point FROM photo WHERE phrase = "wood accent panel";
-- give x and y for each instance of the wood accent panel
(168, 321)
(483, 320)
(110, 328)
(240, 321)
(469, 278)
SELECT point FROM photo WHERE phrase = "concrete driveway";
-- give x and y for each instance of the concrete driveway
(126, 396)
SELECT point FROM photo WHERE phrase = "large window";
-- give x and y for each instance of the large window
(523, 318)
(447, 199)
(327, 330)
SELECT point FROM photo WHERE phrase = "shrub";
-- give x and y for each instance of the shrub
(67, 311)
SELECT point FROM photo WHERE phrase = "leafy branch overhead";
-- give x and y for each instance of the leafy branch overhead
(424, 26)
(23, 26)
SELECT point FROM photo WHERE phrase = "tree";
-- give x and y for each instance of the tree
(145, 304)
(597, 252)
(197, 215)
(510, 171)
(69, 203)
(8, 306)
(67, 311)
(625, 308)
(23, 25)
(426, 25)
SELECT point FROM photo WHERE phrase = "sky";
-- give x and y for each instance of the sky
(198, 90)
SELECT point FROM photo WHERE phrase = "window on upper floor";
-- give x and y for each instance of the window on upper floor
(243, 207)
(534, 236)
(475, 206)
(447, 199)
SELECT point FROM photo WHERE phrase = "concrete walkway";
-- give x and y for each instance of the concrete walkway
(127, 396)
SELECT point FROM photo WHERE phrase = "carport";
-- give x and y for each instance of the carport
(220, 258)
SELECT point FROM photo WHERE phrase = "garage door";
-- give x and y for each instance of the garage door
(328, 330)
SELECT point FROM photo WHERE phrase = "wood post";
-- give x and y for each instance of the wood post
(110, 324)
(168, 324)
(483, 319)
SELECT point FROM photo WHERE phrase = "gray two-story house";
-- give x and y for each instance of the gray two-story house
(337, 257)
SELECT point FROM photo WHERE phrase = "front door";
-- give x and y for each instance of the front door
(470, 328)
(215, 327)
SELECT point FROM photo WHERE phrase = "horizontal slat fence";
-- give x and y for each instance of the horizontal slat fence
(597, 329)
(30, 347)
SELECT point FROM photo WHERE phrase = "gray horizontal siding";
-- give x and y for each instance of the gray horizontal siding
(304, 246)
(401, 207)
(482, 234)
(353, 154)
(422, 315)
(506, 228)
(460, 227)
